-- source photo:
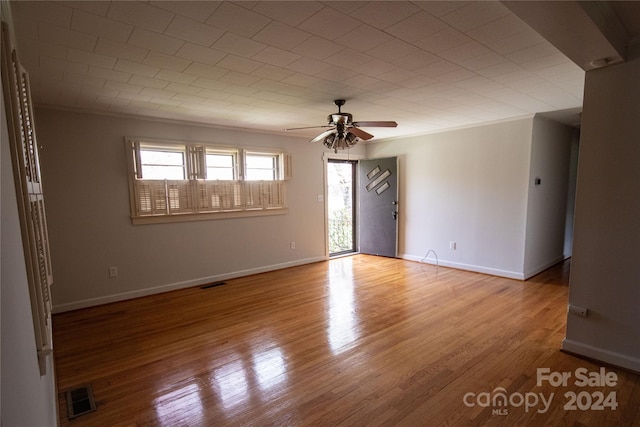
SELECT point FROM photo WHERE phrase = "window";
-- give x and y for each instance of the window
(261, 166)
(185, 181)
(159, 162)
(221, 165)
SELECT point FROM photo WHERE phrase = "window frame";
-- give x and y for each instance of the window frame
(277, 167)
(196, 197)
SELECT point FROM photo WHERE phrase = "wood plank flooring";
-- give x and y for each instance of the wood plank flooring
(354, 341)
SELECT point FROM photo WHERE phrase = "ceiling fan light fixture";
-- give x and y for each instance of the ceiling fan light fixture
(329, 140)
(346, 132)
(351, 139)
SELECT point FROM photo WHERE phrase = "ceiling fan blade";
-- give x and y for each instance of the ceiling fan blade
(360, 133)
(378, 124)
(309, 127)
(323, 135)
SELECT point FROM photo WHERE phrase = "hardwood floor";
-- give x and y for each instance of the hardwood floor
(354, 341)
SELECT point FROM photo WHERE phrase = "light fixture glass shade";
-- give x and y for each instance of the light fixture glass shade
(340, 141)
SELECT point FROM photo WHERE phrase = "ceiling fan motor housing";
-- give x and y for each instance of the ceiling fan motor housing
(345, 118)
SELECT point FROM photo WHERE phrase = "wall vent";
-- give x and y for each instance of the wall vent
(80, 401)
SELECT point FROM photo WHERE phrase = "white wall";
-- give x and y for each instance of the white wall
(547, 203)
(605, 271)
(85, 176)
(28, 399)
(468, 186)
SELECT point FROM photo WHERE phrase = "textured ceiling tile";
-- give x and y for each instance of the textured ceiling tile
(436, 69)
(168, 62)
(238, 78)
(176, 77)
(135, 68)
(383, 14)
(393, 50)
(281, 35)
(349, 58)
(416, 27)
(237, 63)
(475, 14)
(440, 8)
(155, 42)
(49, 12)
(197, 10)
(364, 37)
(140, 15)
(48, 64)
(110, 75)
(205, 70)
(65, 37)
(100, 26)
(192, 31)
(465, 52)
(137, 79)
(236, 19)
(443, 40)
(317, 47)
(89, 58)
(498, 69)
(210, 84)
(275, 56)
(123, 87)
(329, 23)
(417, 60)
(308, 66)
(120, 50)
(182, 88)
(530, 53)
(95, 7)
(289, 12)
(272, 72)
(84, 80)
(199, 53)
(238, 45)
(375, 68)
(503, 27)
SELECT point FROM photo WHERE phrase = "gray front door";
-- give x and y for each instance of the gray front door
(378, 206)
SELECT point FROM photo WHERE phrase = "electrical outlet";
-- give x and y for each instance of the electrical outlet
(452, 246)
(578, 311)
(113, 272)
(292, 245)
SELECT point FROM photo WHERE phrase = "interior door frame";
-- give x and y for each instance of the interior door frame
(325, 161)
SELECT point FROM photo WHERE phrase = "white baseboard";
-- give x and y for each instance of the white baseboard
(606, 356)
(90, 302)
(467, 267)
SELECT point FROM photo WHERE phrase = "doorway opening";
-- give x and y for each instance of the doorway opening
(341, 206)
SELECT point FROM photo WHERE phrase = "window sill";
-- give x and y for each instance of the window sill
(161, 219)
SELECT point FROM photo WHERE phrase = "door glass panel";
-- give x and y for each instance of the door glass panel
(341, 206)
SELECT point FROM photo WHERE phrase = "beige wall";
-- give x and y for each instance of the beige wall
(475, 187)
(468, 186)
(605, 270)
(547, 202)
(85, 175)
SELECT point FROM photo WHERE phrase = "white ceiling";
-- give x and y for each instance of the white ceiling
(276, 64)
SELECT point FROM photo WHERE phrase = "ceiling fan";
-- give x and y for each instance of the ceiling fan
(344, 132)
